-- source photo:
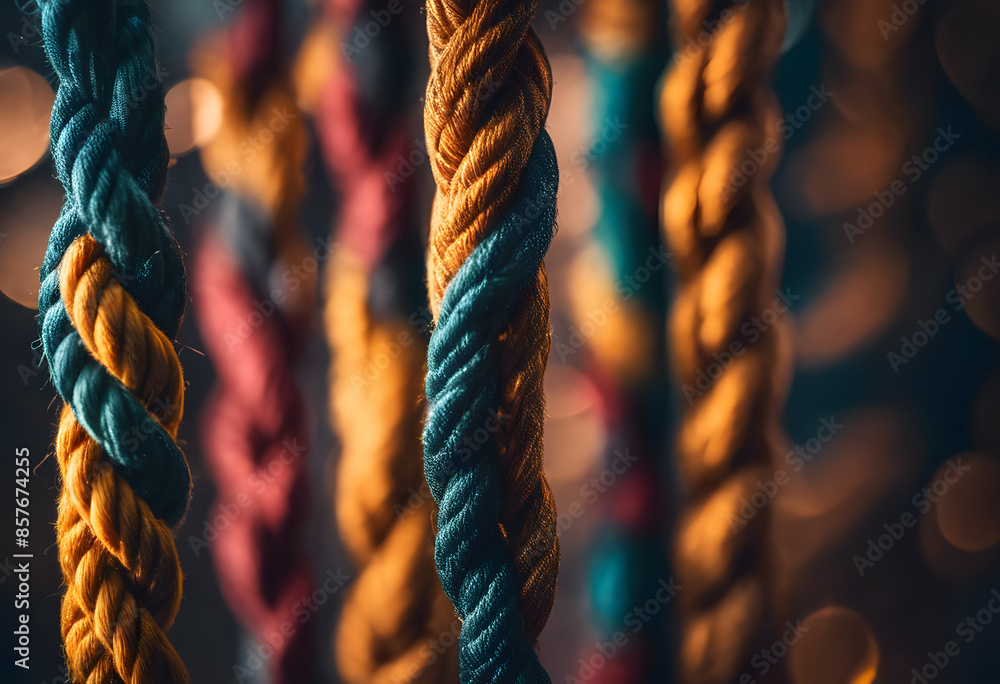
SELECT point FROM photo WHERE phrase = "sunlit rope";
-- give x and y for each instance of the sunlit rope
(496, 550)
(727, 240)
(396, 624)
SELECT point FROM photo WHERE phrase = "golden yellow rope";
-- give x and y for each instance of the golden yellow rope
(396, 612)
(728, 246)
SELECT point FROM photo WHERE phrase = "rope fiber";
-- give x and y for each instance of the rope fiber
(111, 300)
(497, 551)
(395, 618)
(716, 104)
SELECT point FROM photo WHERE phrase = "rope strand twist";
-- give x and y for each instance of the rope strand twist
(111, 300)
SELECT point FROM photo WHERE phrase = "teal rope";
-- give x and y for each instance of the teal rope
(625, 559)
(111, 156)
(474, 563)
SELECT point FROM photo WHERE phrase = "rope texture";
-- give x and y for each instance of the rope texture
(497, 551)
(111, 300)
(396, 607)
(728, 246)
(255, 429)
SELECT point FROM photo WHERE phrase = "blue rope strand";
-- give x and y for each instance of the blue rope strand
(111, 156)
(474, 563)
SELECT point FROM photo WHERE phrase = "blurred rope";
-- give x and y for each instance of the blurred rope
(728, 245)
(497, 551)
(111, 300)
(620, 47)
(394, 617)
(254, 308)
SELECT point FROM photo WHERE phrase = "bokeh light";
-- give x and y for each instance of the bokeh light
(24, 120)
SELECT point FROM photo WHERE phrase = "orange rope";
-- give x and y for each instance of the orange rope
(728, 247)
(119, 561)
(396, 610)
(487, 100)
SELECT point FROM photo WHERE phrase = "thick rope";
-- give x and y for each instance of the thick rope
(728, 246)
(394, 616)
(497, 552)
(111, 300)
(254, 321)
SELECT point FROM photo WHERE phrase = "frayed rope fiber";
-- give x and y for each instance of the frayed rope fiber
(463, 388)
(111, 300)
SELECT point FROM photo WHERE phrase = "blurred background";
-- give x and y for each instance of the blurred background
(888, 187)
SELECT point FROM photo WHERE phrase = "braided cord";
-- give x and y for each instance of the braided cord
(395, 614)
(497, 552)
(111, 300)
(255, 429)
(728, 246)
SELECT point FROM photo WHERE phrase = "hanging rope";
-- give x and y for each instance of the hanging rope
(497, 552)
(625, 352)
(111, 300)
(253, 301)
(715, 105)
(395, 625)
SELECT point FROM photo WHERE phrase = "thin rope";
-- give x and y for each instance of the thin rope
(254, 310)
(111, 300)
(497, 551)
(728, 246)
(396, 621)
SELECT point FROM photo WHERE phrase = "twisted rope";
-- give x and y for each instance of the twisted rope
(497, 551)
(111, 300)
(728, 246)
(254, 322)
(393, 618)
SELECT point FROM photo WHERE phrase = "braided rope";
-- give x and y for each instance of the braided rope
(396, 607)
(111, 299)
(497, 551)
(255, 429)
(728, 246)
